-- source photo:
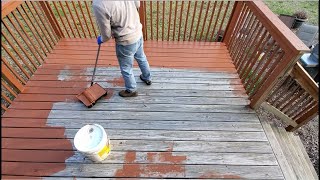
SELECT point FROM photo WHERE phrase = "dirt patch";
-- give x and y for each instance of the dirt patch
(309, 135)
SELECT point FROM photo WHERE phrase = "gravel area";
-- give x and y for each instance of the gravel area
(309, 135)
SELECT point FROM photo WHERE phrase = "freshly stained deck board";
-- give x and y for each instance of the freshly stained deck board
(111, 70)
(220, 53)
(215, 81)
(143, 92)
(145, 107)
(44, 101)
(192, 122)
(108, 50)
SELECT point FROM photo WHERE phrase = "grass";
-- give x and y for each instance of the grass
(290, 7)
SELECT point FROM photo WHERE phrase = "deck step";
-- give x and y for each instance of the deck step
(290, 152)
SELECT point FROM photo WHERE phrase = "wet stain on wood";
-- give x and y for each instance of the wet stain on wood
(110, 93)
(159, 164)
(35, 169)
(117, 82)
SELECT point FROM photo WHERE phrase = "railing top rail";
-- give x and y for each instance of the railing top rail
(8, 6)
(279, 31)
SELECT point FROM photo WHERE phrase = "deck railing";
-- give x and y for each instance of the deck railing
(185, 20)
(26, 39)
(263, 49)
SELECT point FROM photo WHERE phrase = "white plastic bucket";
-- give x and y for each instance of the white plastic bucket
(93, 142)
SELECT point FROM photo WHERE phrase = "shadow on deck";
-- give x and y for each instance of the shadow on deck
(192, 122)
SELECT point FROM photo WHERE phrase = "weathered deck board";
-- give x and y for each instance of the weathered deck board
(116, 157)
(147, 145)
(193, 122)
(142, 92)
(133, 134)
(191, 171)
(155, 124)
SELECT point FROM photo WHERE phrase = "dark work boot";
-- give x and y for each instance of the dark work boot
(127, 93)
(148, 82)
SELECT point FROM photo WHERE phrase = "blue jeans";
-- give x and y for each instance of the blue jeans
(125, 55)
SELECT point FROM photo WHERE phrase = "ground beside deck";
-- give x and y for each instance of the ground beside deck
(192, 122)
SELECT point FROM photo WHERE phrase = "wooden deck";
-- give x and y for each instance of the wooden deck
(192, 122)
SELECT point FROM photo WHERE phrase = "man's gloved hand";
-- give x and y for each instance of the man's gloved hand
(99, 40)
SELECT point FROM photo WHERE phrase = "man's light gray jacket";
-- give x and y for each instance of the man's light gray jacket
(119, 19)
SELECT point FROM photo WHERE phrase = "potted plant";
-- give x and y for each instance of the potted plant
(288, 20)
(301, 17)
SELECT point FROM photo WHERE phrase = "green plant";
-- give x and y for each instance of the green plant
(301, 15)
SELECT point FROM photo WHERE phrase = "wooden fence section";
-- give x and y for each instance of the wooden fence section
(264, 51)
(27, 38)
(185, 20)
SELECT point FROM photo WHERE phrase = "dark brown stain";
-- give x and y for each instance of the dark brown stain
(110, 93)
(37, 168)
(117, 82)
(159, 164)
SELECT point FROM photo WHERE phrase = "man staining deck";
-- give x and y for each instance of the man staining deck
(120, 19)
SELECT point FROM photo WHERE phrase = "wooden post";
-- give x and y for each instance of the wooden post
(232, 22)
(142, 19)
(52, 20)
